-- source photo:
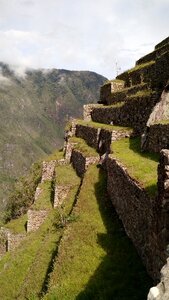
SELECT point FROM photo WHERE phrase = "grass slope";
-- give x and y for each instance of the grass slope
(24, 272)
(96, 260)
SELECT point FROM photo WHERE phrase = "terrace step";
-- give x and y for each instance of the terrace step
(100, 136)
(134, 113)
(109, 97)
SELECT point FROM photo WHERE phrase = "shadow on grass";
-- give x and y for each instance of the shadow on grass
(121, 275)
(135, 145)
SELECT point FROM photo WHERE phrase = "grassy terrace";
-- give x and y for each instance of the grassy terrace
(27, 268)
(141, 66)
(96, 260)
(82, 146)
(104, 126)
(140, 165)
(17, 225)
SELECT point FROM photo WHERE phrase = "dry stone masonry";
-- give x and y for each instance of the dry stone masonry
(61, 192)
(48, 170)
(36, 219)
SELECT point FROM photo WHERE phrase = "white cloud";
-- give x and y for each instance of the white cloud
(84, 34)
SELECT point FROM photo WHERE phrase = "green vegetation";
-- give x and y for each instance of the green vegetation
(114, 81)
(17, 225)
(45, 199)
(24, 273)
(141, 66)
(140, 165)
(82, 146)
(33, 113)
(143, 93)
(104, 126)
(96, 260)
(23, 193)
(58, 154)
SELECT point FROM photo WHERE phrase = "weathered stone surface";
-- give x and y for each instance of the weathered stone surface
(35, 219)
(161, 291)
(141, 216)
(87, 111)
(107, 89)
(89, 134)
(37, 193)
(133, 113)
(98, 138)
(68, 150)
(156, 138)
(80, 162)
(48, 170)
(61, 192)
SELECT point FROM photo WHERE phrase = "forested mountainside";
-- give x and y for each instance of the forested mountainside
(33, 113)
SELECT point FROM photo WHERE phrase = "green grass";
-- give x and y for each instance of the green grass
(24, 273)
(141, 166)
(83, 147)
(104, 126)
(58, 154)
(145, 93)
(141, 66)
(17, 225)
(15, 266)
(44, 200)
(96, 260)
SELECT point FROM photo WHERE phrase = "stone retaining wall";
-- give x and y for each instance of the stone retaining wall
(141, 216)
(89, 134)
(48, 169)
(61, 192)
(156, 138)
(134, 113)
(36, 219)
(80, 162)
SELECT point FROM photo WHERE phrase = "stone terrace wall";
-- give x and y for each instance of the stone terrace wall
(100, 138)
(157, 138)
(141, 216)
(80, 162)
(134, 113)
(89, 134)
(61, 192)
(35, 219)
(48, 170)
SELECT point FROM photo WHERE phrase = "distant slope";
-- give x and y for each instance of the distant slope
(33, 113)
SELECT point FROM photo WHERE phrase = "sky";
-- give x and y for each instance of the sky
(104, 36)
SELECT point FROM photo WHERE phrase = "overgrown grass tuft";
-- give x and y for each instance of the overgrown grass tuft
(96, 260)
(142, 166)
